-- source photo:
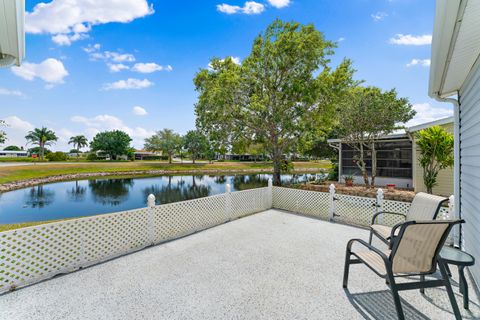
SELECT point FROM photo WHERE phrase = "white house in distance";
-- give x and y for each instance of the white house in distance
(13, 154)
(397, 160)
(455, 78)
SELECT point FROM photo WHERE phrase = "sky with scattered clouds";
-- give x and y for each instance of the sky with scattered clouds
(128, 64)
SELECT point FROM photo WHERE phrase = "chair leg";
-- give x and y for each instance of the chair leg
(370, 239)
(346, 269)
(396, 297)
(448, 286)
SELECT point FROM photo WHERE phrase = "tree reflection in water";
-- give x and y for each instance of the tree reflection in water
(39, 197)
(110, 191)
(251, 181)
(77, 193)
(178, 191)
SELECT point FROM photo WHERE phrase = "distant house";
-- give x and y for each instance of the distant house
(397, 160)
(13, 154)
(143, 154)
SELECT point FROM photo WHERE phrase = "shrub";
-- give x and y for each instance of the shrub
(92, 156)
(56, 156)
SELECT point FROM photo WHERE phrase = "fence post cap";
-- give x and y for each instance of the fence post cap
(228, 188)
(151, 200)
(451, 198)
(332, 188)
(270, 182)
(380, 192)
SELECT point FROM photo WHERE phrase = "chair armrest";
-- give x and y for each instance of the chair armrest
(386, 212)
(369, 246)
(392, 234)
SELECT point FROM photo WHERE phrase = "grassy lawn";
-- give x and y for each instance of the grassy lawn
(17, 173)
(6, 227)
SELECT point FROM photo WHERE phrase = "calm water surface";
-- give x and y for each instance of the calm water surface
(96, 196)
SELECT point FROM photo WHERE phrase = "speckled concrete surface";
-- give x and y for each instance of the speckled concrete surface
(272, 265)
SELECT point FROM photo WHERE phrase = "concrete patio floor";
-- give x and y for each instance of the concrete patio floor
(272, 265)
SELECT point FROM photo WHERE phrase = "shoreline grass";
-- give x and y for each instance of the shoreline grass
(20, 173)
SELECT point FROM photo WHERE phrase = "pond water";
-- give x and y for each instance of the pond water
(89, 197)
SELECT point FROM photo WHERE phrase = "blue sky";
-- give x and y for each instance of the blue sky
(130, 65)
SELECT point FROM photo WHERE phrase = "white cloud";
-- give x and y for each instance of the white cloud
(74, 18)
(8, 92)
(150, 67)
(409, 40)
(341, 39)
(426, 113)
(279, 3)
(52, 71)
(228, 9)
(130, 83)
(139, 111)
(16, 130)
(379, 16)
(419, 62)
(252, 7)
(117, 67)
(14, 122)
(106, 122)
(249, 7)
(67, 39)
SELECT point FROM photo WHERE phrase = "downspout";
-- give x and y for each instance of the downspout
(456, 157)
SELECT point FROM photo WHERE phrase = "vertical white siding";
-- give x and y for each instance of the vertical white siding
(469, 131)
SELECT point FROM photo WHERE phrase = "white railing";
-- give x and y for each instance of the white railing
(32, 254)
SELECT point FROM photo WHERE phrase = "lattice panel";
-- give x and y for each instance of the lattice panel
(247, 202)
(31, 254)
(310, 203)
(394, 206)
(354, 210)
(107, 236)
(181, 218)
(286, 198)
(444, 213)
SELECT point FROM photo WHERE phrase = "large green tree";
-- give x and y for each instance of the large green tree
(166, 141)
(195, 143)
(114, 143)
(41, 137)
(78, 142)
(281, 90)
(436, 153)
(367, 114)
(12, 148)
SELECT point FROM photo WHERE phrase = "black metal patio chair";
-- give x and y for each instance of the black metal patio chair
(414, 252)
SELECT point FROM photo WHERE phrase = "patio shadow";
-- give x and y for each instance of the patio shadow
(380, 305)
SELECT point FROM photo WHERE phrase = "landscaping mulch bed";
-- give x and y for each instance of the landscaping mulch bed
(361, 191)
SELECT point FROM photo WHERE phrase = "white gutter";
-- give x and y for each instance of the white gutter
(12, 33)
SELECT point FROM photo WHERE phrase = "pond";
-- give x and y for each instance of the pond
(96, 196)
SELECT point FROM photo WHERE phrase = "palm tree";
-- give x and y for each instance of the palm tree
(78, 142)
(41, 137)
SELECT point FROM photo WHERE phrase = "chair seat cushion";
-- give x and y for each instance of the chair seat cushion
(372, 259)
(383, 231)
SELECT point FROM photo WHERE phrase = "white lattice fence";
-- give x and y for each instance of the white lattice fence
(247, 202)
(310, 203)
(178, 219)
(32, 254)
(354, 210)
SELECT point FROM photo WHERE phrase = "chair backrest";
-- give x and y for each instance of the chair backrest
(424, 207)
(418, 243)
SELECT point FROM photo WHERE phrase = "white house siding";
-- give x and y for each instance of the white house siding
(469, 131)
